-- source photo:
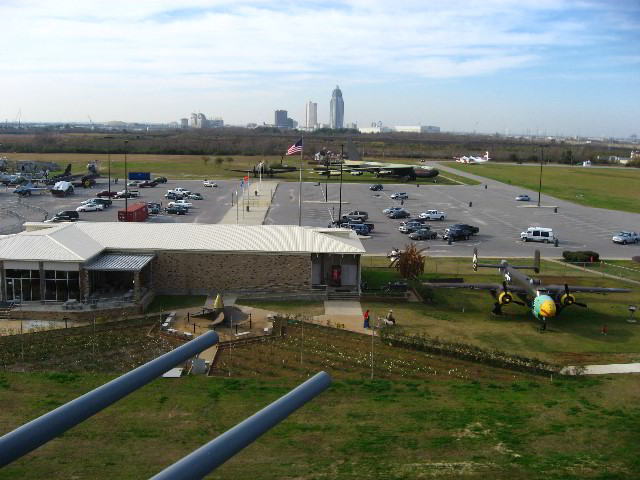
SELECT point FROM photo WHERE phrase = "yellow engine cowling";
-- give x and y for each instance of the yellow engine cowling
(505, 298)
(567, 299)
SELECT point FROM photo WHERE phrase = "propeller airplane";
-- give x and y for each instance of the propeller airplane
(545, 301)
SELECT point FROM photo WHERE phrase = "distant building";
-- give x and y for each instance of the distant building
(417, 129)
(311, 115)
(352, 126)
(199, 120)
(184, 123)
(374, 129)
(281, 117)
(336, 109)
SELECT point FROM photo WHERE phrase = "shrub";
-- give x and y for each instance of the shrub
(581, 256)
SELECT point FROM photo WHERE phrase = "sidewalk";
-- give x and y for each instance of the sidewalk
(258, 205)
(604, 369)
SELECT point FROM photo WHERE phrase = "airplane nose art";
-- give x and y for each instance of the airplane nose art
(548, 308)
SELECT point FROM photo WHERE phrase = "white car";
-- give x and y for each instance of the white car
(356, 172)
(90, 207)
(87, 202)
(626, 237)
(181, 203)
(433, 215)
(400, 196)
(209, 183)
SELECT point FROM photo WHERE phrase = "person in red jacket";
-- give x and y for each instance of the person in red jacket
(366, 319)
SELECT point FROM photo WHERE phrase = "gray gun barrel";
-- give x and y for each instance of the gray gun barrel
(37, 432)
(210, 456)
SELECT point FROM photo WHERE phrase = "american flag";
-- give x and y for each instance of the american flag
(295, 148)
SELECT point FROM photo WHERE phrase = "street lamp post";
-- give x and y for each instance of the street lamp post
(109, 137)
(541, 162)
(126, 187)
(341, 160)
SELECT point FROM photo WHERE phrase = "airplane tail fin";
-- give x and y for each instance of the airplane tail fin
(536, 263)
(67, 170)
(482, 265)
(486, 155)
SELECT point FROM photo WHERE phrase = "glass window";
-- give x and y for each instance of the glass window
(536, 233)
(545, 234)
(49, 274)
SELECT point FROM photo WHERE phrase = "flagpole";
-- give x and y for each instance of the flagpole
(300, 193)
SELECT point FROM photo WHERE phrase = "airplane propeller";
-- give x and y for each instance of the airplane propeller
(505, 298)
(568, 299)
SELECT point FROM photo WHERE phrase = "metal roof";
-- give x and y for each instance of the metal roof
(80, 241)
(118, 262)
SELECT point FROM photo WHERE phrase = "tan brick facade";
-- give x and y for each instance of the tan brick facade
(191, 272)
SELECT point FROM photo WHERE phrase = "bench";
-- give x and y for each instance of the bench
(242, 334)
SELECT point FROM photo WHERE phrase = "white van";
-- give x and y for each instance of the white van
(538, 234)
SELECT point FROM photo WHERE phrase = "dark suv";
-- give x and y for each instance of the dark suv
(377, 187)
(454, 234)
(69, 215)
(468, 229)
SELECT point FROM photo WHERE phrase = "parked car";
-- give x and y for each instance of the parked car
(181, 203)
(359, 228)
(469, 229)
(356, 215)
(176, 209)
(69, 215)
(147, 183)
(209, 183)
(90, 207)
(399, 196)
(423, 234)
(127, 194)
(433, 215)
(399, 214)
(107, 193)
(454, 234)
(180, 191)
(160, 179)
(173, 196)
(538, 234)
(377, 187)
(355, 173)
(154, 208)
(409, 227)
(523, 198)
(626, 237)
(105, 202)
(133, 183)
(387, 211)
(195, 196)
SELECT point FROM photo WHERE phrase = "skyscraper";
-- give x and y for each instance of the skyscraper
(281, 118)
(337, 109)
(312, 114)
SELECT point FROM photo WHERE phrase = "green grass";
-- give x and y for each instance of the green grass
(612, 188)
(198, 167)
(420, 417)
(174, 302)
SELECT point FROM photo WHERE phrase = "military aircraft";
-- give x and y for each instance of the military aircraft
(62, 189)
(266, 169)
(473, 160)
(545, 301)
(27, 189)
(379, 169)
(80, 179)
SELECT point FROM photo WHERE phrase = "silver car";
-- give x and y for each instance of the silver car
(626, 237)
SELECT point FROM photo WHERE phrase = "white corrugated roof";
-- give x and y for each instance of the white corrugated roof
(119, 262)
(82, 240)
(55, 244)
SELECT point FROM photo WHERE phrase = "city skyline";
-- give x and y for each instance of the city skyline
(559, 67)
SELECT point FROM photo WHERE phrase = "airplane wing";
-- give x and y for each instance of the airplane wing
(561, 289)
(478, 286)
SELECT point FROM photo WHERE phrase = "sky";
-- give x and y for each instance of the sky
(496, 66)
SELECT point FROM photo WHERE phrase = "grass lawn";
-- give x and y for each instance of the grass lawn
(422, 416)
(612, 188)
(198, 167)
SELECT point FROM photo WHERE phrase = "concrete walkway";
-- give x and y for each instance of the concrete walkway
(258, 205)
(604, 369)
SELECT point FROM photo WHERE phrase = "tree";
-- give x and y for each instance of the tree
(219, 161)
(205, 160)
(567, 157)
(410, 262)
(229, 159)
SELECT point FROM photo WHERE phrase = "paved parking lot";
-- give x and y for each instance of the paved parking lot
(494, 210)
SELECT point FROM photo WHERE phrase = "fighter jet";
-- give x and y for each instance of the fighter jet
(545, 301)
(80, 179)
(27, 189)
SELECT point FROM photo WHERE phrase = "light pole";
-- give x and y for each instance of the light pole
(126, 187)
(541, 162)
(109, 137)
(341, 160)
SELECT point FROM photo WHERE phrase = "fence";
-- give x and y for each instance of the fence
(605, 268)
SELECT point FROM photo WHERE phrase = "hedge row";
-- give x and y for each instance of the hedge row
(472, 353)
(581, 256)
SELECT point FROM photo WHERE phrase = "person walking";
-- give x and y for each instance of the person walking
(366, 319)
(604, 330)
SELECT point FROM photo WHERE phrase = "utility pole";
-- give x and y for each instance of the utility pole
(341, 160)
(541, 162)
(126, 187)
(109, 137)
(300, 189)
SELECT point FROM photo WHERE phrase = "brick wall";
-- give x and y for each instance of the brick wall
(191, 273)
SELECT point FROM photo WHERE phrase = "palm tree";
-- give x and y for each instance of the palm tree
(410, 262)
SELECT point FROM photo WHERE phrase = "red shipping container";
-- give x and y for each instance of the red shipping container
(138, 212)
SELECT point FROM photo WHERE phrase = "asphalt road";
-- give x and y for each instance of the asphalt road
(494, 210)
